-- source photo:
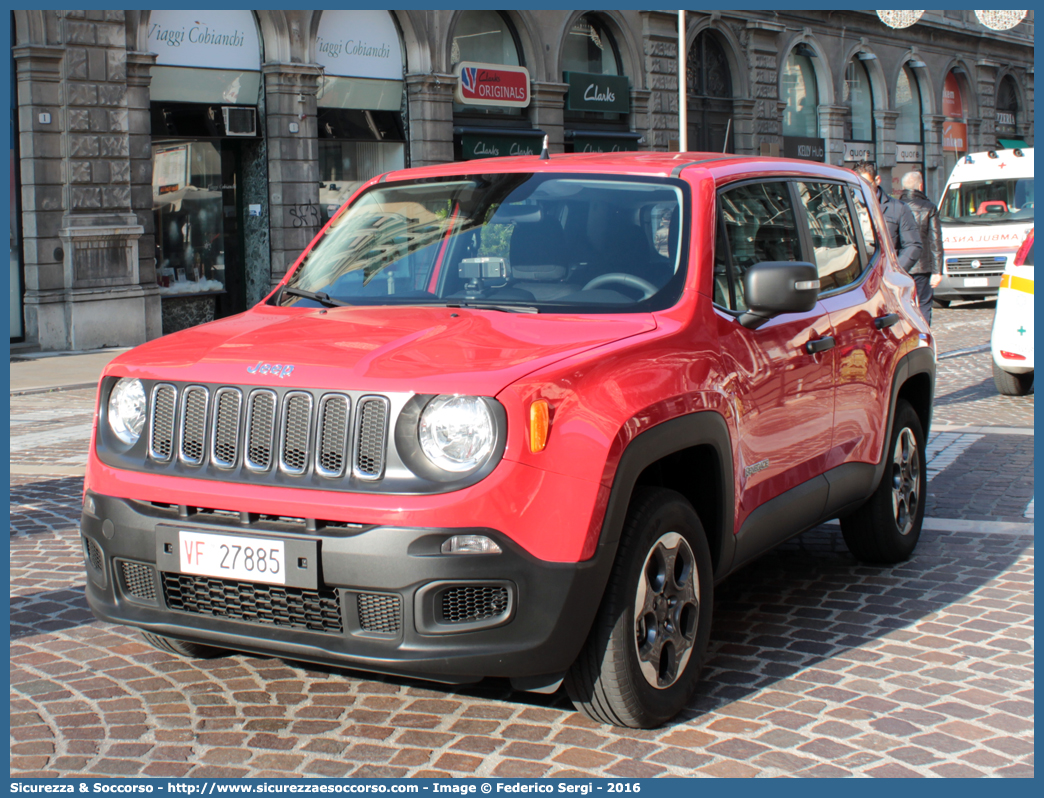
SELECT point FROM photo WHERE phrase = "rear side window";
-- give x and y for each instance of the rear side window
(834, 247)
(758, 222)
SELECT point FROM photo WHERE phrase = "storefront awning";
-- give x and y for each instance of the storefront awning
(482, 142)
(1012, 144)
(603, 140)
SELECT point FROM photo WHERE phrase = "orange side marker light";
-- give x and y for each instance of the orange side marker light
(539, 425)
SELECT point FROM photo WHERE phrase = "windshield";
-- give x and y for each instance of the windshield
(550, 243)
(988, 202)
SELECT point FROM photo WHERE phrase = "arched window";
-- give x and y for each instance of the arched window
(1007, 109)
(908, 125)
(709, 84)
(860, 101)
(800, 93)
(486, 37)
(590, 47)
(909, 131)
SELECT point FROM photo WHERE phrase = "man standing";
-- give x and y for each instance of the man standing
(927, 272)
(902, 227)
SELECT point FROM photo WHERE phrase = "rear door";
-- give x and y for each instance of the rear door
(867, 332)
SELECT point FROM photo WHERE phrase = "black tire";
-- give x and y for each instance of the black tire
(664, 564)
(886, 528)
(1010, 384)
(940, 303)
(182, 647)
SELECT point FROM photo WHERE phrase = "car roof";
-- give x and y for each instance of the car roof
(719, 166)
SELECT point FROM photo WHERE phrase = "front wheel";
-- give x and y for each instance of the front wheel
(1009, 384)
(642, 659)
(886, 528)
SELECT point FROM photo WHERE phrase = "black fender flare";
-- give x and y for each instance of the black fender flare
(703, 428)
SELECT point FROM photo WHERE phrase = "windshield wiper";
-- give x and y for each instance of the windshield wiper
(494, 306)
(317, 296)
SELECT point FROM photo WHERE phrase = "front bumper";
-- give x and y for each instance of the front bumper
(382, 598)
(955, 286)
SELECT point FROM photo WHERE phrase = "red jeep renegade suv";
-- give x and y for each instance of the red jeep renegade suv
(516, 418)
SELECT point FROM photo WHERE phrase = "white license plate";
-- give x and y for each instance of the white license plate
(227, 557)
(976, 282)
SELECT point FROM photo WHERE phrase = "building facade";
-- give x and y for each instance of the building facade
(168, 167)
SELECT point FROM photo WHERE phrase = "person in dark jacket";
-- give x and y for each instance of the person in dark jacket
(902, 227)
(927, 272)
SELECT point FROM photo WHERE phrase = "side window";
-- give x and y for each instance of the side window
(833, 237)
(866, 226)
(759, 226)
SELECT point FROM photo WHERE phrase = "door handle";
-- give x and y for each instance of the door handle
(882, 322)
(819, 345)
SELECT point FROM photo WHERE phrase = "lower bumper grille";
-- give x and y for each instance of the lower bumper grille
(471, 603)
(272, 605)
(138, 580)
(380, 612)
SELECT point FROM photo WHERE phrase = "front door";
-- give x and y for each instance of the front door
(782, 395)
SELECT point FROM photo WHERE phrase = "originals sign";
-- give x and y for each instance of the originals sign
(492, 84)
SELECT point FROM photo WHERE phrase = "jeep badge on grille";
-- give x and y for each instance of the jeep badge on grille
(277, 369)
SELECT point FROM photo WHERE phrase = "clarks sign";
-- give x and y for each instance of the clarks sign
(492, 84)
(590, 92)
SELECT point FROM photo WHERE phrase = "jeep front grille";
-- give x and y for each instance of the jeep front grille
(298, 434)
(193, 430)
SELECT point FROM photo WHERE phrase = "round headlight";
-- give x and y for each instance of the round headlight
(457, 433)
(127, 410)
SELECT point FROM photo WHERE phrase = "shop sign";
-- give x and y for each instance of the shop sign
(859, 151)
(909, 153)
(592, 92)
(358, 44)
(492, 84)
(1005, 123)
(952, 105)
(599, 144)
(210, 39)
(494, 145)
(809, 149)
(955, 136)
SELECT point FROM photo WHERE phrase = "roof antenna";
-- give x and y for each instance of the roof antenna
(544, 154)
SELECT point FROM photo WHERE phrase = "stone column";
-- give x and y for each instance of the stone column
(762, 42)
(832, 129)
(139, 122)
(639, 118)
(38, 88)
(660, 46)
(885, 123)
(293, 160)
(935, 176)
(547, 111)
(430, 100)
(743, 127)
(98, 299)
(986, 86)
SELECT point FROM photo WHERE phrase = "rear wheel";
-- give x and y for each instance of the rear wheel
(886, 528)
(1010, 384)
(182, 647)
(642, 659)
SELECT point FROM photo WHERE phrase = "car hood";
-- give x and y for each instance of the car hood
(412, 349)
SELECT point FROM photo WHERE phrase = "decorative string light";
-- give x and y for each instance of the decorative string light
(1000, 20)
(900, 19)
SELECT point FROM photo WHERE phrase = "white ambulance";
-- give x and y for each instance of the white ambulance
(986, 211)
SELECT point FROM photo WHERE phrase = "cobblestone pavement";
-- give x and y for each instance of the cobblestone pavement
(819, 666)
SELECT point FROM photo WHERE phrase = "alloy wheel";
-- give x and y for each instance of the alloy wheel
(906, 474)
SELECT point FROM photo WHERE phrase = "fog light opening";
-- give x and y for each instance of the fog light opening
(470, 544)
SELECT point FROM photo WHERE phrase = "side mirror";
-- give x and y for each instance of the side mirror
(776, 287)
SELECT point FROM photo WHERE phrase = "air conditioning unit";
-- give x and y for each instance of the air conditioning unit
(239, 121)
